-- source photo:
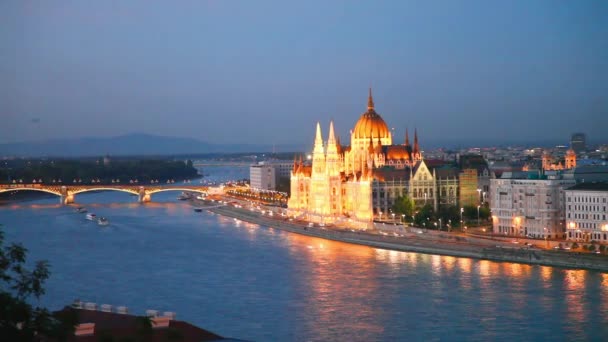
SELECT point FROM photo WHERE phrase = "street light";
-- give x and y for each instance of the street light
(425, 198)
(546, 241)
(461, 211)
(478, 194)
(478, 214)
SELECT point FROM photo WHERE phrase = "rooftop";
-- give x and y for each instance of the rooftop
(594, 186)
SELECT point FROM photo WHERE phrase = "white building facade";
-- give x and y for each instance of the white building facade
(529, 207)
(587, 212)
(262, 176)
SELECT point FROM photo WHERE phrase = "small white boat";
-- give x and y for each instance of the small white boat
(102, 221)
(81, 210)
(91, 217)
(184, 196)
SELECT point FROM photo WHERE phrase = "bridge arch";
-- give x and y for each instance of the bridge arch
(201, 191)
(56, 193)
(130, 191)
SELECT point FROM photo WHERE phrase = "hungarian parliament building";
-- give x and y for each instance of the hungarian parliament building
(361, 182)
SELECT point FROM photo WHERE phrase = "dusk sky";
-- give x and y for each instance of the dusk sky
(265, 72)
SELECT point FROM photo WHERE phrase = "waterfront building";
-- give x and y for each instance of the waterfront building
(262, 176)
(468, 195)
(484, 175)
(529, 204)
(338, 183)
(578, 142)
(587, 212)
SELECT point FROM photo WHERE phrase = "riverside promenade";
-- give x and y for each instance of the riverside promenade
(417, 241)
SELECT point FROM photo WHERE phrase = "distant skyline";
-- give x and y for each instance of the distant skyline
(264, 72)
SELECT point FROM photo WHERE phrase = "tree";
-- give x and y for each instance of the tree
(425, 216)
(19, 320)
(404, 205)
(574, 245)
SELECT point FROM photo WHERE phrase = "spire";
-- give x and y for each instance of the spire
(332, 145)
(416, 147)
(332, 136)
(407, 138)
(318, 148)
(370, 100)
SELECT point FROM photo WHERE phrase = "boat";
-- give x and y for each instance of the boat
(198, 210)
(102, 221)
(91, 217)
(184, 196)
(81, 210)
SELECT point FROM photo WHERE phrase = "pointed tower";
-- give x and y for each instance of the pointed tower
(570, 159)
(546, 161)
(332, 158)
(318, 153)
(370, 100)
(407, 138)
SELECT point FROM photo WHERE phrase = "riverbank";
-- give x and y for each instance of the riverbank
(418, 242)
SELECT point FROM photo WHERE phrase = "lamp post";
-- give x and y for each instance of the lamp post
(461, 211)
(439, 224)
(478, 214)
(425, 198)
(478, 194)
(546, 241)
(403, 218)
(393, 217)
(380, 215)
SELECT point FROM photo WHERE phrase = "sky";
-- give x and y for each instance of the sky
(265, 72)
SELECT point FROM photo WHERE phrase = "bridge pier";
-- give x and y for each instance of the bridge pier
(66, 196)
(144, 198)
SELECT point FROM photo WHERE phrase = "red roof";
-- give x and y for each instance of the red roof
(123, 325)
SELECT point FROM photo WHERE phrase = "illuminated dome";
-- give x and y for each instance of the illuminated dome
(371, 124)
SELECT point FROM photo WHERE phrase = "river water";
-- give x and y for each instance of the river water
(262, 284)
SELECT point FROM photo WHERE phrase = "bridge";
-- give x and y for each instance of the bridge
(67, 192)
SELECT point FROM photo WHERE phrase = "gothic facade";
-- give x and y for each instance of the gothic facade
(337, 185)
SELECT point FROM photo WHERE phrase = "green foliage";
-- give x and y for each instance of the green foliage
(450, 215)
(602, 248)
(425, 216)
(404, 205)
(19, 320)
(574, 245)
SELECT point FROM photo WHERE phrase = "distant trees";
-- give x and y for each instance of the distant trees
(67, 170)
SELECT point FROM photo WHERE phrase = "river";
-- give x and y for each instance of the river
(257, 283)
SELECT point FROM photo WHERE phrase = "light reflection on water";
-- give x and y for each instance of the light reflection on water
(242, 280)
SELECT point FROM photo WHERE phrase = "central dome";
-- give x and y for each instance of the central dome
(371, 124)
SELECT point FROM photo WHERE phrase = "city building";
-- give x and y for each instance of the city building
(529, 204)
(549, 163)
(338, 183)
(484, 175)
(578, 142)
(587, 212)
(262, 176)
